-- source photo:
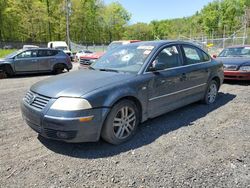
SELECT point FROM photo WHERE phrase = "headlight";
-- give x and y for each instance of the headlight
(245, 68)
(70, 104)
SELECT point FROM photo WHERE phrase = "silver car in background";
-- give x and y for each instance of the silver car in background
(35, 61)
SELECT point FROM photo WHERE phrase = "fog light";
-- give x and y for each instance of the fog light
(63, 135)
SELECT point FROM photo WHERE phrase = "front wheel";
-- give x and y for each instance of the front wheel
(211, 93)
(121, 123)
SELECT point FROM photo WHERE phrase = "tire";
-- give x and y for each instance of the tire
(121, 123)
(211, 93)
(58, 69)
(7, 70)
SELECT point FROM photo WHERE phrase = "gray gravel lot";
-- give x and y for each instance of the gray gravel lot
(195, 146)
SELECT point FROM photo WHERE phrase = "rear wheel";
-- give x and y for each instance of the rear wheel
(211, 93)
(121, 123)
(58, 69)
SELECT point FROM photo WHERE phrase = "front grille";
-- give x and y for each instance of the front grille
(36, 100)
(230, 67)
(87, 61)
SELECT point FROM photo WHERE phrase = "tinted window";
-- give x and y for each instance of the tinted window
(27, 54)
(42, 53)
(46, 53)
(52, 52)
(169, 57)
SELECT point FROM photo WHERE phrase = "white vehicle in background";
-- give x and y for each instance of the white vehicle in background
(28, 47)
(61, 45)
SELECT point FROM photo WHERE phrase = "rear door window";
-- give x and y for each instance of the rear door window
(193, 55)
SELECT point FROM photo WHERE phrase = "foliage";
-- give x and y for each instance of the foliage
(92, 21)
(3, 52)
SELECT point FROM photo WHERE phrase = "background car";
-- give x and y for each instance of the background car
(236, 62)
(35, 60)
(125, 87)
(87, 59)
(118, 43)
(27, 47)
(81, 53)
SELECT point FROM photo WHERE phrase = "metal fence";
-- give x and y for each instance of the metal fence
(92, 47)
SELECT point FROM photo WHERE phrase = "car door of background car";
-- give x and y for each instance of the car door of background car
(45, 59)
(165, 89)
(26, 61)
(197, 70)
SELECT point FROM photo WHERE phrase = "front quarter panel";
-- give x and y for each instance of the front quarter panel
(136, 88)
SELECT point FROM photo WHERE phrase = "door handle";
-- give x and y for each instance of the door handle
(183, 77)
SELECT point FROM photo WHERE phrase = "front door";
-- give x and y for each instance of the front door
(26, 61)
(165, 89)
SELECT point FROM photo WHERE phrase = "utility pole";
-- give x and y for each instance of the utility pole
(67, 7)
(245, 26)
(224, 36)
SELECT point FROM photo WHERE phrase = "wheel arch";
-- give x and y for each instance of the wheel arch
(7, 68)
(135, 100)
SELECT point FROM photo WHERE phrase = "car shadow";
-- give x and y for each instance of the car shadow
(147, 132)
(237, 82)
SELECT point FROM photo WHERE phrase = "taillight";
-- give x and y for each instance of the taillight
(68, 60)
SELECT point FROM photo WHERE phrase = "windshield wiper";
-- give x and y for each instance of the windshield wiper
(109, 70)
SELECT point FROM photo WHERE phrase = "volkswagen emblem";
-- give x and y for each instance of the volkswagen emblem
(31, 100)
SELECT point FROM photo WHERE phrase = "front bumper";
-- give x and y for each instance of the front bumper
(65, 126)
(236, 75)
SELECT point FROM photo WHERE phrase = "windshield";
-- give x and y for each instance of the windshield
(235, 52)
(127, 58)
(61, 48)
(13, 54)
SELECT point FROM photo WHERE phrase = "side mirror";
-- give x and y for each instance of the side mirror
(214, 56)
(157, 66)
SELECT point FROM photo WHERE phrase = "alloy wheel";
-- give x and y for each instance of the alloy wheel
(124, 122)
(212, 93)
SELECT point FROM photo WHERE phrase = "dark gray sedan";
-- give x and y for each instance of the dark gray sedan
(125, 87)
(34, 61)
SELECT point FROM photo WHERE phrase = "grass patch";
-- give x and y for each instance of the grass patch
(4, 52)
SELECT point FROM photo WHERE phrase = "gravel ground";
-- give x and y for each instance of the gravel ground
(195, 146)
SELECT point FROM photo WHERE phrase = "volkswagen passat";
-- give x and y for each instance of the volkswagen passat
(125, 87)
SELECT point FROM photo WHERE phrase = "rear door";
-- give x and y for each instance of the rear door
(197, 69)
(45, 59)
(26, 61)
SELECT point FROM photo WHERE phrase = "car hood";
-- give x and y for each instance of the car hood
(234, 60)
(78, 83)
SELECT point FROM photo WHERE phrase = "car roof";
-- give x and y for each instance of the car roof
(163, 42)
(239, 46)
(41, 49)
